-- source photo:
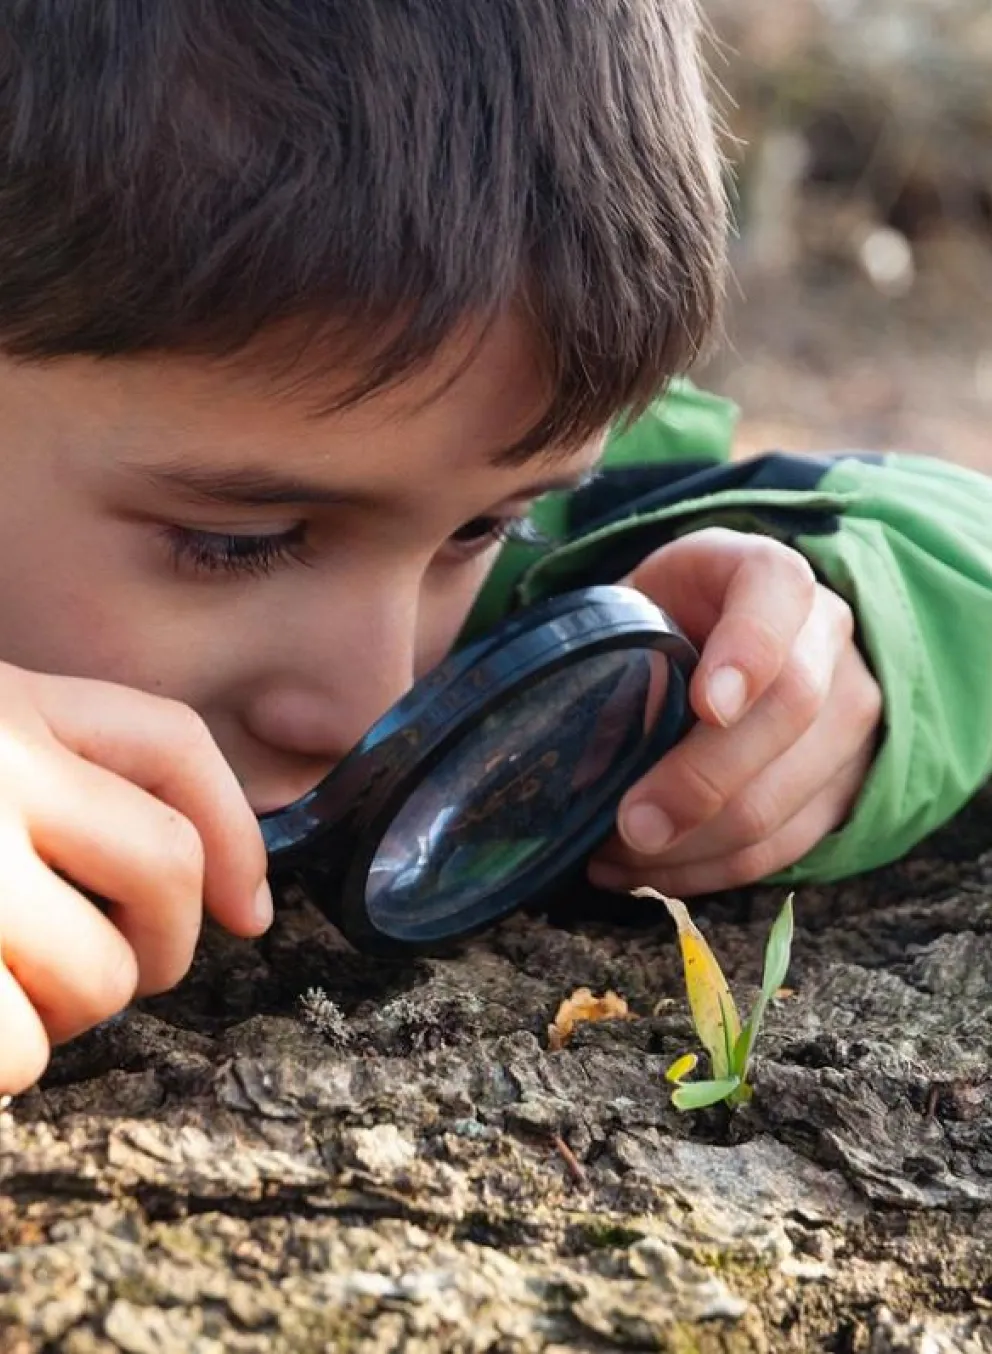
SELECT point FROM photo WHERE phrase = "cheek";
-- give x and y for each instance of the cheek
(87, 610)
(54, 618)
(102, 635)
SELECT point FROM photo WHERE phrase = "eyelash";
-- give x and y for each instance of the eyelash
(213, 552)
(520, 530)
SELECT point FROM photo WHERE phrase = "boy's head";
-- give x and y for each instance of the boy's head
(411, 253)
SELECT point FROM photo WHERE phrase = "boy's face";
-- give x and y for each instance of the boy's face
(183, 527)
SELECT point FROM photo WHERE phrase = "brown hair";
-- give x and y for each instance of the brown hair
(184, 174)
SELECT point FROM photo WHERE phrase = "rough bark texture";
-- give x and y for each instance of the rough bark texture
(410, 1168)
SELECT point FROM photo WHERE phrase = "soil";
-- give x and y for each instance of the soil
(305, 1149)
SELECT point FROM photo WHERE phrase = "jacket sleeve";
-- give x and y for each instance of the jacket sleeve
(906, 540)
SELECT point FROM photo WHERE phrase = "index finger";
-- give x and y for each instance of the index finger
(744, 598)
(167, 750)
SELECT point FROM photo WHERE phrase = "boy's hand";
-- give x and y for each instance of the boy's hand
(125, 795)
(789, 720)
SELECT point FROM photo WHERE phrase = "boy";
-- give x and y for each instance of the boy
(302, 308)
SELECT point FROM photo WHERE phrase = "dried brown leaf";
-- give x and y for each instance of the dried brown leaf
(582, 1006)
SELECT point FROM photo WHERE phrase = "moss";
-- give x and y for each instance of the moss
(309, 1331)
(607, 1236)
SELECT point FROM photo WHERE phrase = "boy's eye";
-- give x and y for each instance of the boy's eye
(225, 552)
(221, 552)
(482, 531)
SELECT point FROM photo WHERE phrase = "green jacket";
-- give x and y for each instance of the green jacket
(906, 540)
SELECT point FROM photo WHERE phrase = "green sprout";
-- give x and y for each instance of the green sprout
(714, 1012)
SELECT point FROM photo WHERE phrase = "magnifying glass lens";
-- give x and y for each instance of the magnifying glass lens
(529, 780)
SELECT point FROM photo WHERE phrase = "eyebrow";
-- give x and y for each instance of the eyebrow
(255, 488)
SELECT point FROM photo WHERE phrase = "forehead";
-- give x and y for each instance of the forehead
(455, 416)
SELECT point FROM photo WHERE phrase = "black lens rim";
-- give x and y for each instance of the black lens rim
(333, 834)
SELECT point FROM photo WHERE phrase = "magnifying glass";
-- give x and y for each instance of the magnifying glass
(495, 777)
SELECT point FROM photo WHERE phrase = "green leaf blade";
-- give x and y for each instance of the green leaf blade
(698, 1095)
(745, 1043)
(731, 1036)
(778, 951)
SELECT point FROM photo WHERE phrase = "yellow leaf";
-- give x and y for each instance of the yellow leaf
(714, 1012)
(582, 1006)
(681, 1068)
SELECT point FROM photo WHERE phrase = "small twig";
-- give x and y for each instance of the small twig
(933, 1099)
(575, 1168)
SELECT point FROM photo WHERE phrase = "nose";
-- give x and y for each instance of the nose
(333, 682)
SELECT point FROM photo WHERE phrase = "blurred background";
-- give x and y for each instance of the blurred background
(860, 138)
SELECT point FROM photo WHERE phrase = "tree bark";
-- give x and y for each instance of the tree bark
(396, 1161)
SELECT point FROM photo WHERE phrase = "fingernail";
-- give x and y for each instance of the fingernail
(728, 693)
(261, 908)
(607, 877)
(646, 829)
